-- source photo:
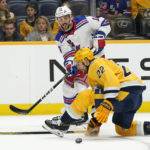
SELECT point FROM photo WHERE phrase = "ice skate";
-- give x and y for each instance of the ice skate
(83, 120)
(78, 122)
(55, 126)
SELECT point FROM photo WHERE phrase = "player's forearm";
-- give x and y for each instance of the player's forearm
(105, 29)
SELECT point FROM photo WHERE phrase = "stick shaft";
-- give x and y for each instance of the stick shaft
(36, 132)
(26, 111)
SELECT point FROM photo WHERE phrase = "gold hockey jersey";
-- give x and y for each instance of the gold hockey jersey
(110, 78)
(108, 81)
(137, 5)
(25, 29)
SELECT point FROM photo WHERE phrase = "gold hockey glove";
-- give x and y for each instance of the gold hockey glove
(102, 112)
(93, 128)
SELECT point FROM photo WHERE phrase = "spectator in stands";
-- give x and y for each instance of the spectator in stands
(42, 30)
(106, 7)
(115, 8)
(9, 32)
(5, 14)
(123, 8)
(27, 25)
(138, 7)
(140, 10)
(56, 25)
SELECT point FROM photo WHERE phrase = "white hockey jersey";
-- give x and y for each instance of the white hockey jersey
(85, 28)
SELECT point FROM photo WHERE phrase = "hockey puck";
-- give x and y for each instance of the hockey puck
(78, 140)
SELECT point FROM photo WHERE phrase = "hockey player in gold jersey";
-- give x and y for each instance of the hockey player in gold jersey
(114, 88)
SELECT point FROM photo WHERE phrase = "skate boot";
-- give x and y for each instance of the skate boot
(56, 126)
(76, 122)
(56, 118)
(84, 119)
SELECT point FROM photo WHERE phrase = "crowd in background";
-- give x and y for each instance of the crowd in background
(129, 19)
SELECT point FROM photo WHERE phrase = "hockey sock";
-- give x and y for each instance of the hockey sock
(146, 126)
(66, 118)
(137, 128)
(143, 128)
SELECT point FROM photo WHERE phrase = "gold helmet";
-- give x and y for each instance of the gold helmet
(83, 53)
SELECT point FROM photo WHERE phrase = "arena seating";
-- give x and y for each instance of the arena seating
(18, 7)
(19, 19)
(12, 1)
(80, 7)
(122, 28)
(47, 8)
(145, 27)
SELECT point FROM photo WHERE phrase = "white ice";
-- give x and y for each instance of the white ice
(107, 140)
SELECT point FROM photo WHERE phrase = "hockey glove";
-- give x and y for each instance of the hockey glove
(93, 128)
(98, 44)
(72, 69)
(102, 112)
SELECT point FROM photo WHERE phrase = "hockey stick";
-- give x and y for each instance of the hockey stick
(36, 132)
(26, 111)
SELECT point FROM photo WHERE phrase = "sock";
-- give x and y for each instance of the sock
(66, 118)
(146, 126)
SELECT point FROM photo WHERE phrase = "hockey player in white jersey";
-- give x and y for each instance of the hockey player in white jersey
(74, 34)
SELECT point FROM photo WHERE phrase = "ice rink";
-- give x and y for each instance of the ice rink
(107, 140)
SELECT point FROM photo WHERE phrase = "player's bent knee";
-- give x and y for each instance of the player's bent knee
(132, 131)
(83, 100)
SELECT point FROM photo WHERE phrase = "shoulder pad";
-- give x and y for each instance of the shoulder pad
(79, 19)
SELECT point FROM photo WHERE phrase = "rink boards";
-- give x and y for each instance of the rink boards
(29, 69)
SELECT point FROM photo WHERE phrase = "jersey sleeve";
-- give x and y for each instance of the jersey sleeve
(67, 52)
(104, 77)
(134, 9)
(99, 25)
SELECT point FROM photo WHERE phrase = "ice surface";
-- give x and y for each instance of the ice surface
(107, 140)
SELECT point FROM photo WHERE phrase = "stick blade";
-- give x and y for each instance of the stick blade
(18, 111)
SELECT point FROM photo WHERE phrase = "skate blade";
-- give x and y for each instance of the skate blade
(53, 131)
